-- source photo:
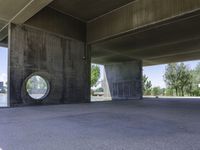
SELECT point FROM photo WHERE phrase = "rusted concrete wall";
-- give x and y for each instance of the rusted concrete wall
(123, 80)
(58, 59)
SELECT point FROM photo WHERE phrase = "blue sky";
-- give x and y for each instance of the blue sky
(3, 64)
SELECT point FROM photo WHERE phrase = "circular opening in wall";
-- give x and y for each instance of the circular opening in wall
(37, 87)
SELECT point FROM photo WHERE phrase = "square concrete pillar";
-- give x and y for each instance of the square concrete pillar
(123, 81)
(61, 60)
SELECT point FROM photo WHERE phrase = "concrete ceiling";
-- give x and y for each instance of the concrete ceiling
(9, 8)
(18, 12)
(87, 10)
(177, 40)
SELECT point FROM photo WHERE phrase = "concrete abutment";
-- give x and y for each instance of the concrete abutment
(123, 81)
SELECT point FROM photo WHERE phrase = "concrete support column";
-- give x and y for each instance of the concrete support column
(123, 81)
(61, 60)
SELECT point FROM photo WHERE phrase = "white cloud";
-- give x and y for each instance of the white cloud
(3, 77)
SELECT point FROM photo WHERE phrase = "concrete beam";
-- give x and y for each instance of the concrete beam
(137, 15)
(3, 29)
(29, 10)
(4, 33)
(21, 13)
(155, 54)
(172, 59)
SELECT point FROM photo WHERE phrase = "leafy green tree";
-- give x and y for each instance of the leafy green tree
(185, 78)
(171, 77)
(157, 91)
(178, 76)
(147, 85)
(169, 92)
(95, 74)
(193, 89)
(163, 91)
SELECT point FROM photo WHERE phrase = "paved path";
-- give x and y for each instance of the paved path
(129, 125)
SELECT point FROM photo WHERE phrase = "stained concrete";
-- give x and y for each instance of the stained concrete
(123, 80)
(53, 21)
(128, 125)
(135, 15)
(60, 60)
(177, 40)
(18, 13)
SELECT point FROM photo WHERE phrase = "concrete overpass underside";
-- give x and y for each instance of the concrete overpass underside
(59, 39)
(174, 41)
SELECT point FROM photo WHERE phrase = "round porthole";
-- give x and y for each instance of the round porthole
(37, 87)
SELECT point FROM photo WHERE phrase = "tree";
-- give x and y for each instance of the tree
(177, 76)
(95, 74)
(169, 92)
(146, 85)
(193, 89)
(171, 77)
(163, 91)
(185, 77)
(157, 91)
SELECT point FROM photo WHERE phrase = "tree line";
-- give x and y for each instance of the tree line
(180, 80)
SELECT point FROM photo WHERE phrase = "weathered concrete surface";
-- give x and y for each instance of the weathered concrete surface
(156, 31)
(18, 13)
(127, 125)
(53, 21)
(136, 15)
(175, 41)
(123, 80)
(58, 59)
